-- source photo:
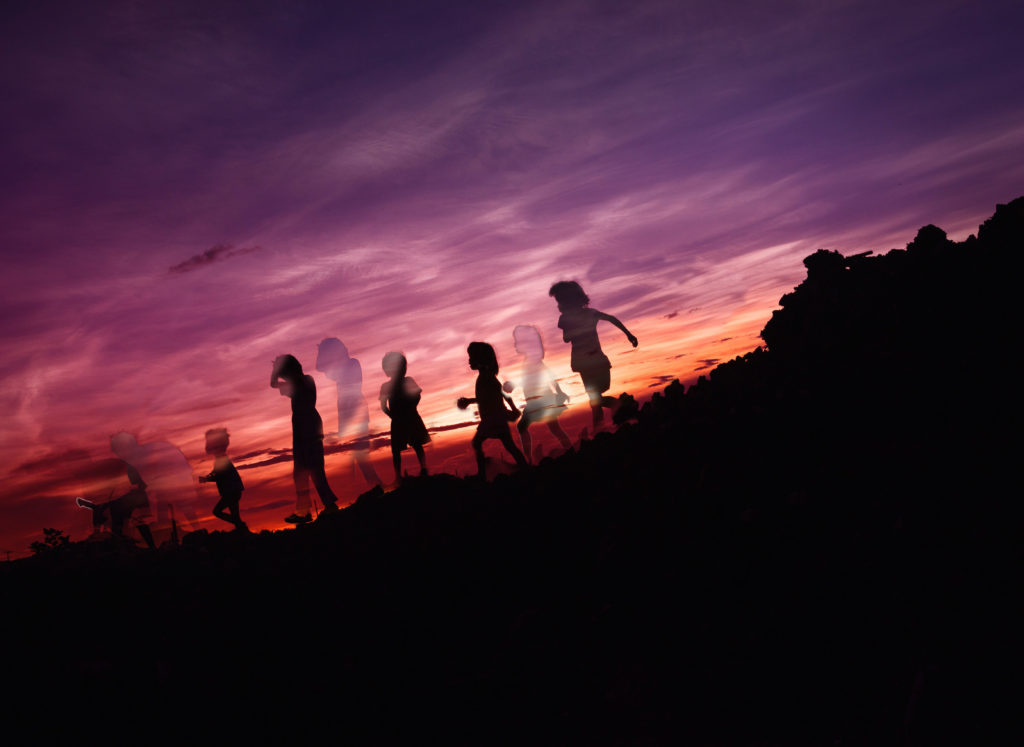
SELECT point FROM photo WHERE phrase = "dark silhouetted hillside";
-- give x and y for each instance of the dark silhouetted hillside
(817, 544)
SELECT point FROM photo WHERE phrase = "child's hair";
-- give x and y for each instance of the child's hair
(482, 357)
(526, 335)
(217, 438)
(331, 350)
(394, 362)
(290, 367)
(568, 293)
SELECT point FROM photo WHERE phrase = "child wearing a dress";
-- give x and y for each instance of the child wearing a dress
(491, 404)
(399, 396)
(545, 400)
(578, 323)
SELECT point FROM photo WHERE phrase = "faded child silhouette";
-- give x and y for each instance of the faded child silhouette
(229, 482)
(307, 437)
(399, 396)
(165, 475)
(491, 403)
(578, 323)
(353, 414)
(545, 400)
(131, 506)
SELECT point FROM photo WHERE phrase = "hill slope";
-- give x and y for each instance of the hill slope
(813, 545)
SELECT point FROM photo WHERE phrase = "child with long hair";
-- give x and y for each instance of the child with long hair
(307, 437)
(545, 399)
(399, 396)
(491, 403)
(578, 323)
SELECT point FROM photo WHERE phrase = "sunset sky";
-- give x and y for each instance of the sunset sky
(190, 189)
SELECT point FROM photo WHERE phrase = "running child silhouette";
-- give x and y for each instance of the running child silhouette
(489, 399)
(578, 323)
(307, 437)
(399, 396)
(545, 400)
(229, 483)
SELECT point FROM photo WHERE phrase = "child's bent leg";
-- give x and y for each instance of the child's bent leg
(146, 535)
(557, 432)
(481, 463)
(220, 513)
(524, 435)
(363, 462)
(514, 450)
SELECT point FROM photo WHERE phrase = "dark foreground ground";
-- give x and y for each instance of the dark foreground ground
(818, 545)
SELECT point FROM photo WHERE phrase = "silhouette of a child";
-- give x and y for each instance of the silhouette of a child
(399, 396)
(229, 483)
(545, 399)
(490, 401)
(578, 323)
(307, 437)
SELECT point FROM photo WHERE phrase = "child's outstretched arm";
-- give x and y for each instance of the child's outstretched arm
(463, 402)
(609, 318)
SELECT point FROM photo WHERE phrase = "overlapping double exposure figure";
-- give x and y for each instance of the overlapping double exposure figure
(334, 361)
(578, 323)
(162, 482)
(545, 400)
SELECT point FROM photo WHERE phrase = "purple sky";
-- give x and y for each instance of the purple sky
(192, 188)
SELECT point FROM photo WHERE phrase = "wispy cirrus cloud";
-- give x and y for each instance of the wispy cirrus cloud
(218, 253)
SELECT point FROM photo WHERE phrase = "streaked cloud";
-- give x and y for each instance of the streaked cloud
(218, 253)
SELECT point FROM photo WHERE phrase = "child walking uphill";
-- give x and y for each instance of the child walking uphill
(229, 483)
(545, 399)
(578, 323)
(307, 437)
(399, 396)
(494, 416)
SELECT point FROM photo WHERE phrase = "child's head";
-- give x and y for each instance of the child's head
(528, 341)
(330, 353)
(217, 441)
(123, 444)
(482, 357)
(288, 367)
(569, 295)
(394, 365)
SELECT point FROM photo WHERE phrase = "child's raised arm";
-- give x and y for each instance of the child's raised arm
(281, 385)
(609, 318)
